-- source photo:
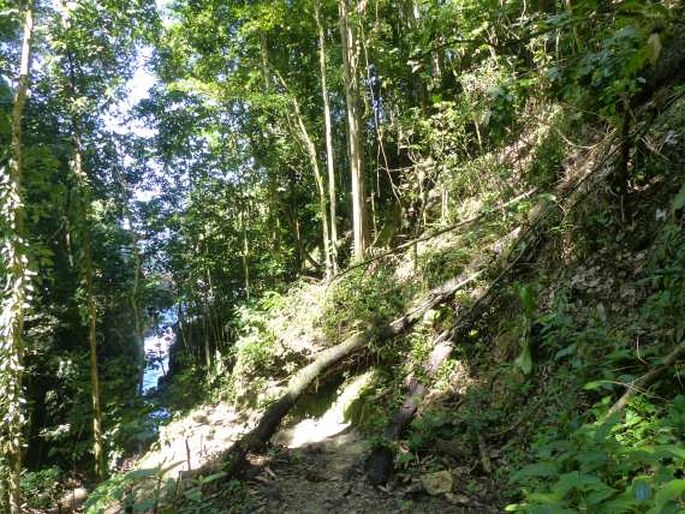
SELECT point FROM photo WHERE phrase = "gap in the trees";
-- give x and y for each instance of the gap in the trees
(157, 346)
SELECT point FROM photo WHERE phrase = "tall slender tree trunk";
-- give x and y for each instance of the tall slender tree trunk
(16, 292)
(318, 179)
(91, 306)
(83, 211)
(355, 148)
(98, 446)
(274, 201)
(134, 294)
(310, 150)
(328, 134)
(245, 252)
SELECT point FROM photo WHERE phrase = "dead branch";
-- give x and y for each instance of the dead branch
(645, 381)
(488, 212)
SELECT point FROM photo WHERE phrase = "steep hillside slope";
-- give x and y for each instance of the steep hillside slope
(536, 366)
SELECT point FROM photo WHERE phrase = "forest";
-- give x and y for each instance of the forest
(335, 256)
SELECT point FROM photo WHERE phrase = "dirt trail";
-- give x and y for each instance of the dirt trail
(327, 477)
(314, 465)
(317, 465)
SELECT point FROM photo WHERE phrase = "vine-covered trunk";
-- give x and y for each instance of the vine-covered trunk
(16, 291)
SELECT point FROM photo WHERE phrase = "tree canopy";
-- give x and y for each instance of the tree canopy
(285, 142)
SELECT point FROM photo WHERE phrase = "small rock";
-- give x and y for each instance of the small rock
(315, 475)
(437, 483)
(458, 499)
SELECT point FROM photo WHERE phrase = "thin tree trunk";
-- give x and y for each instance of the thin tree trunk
(328, 131)
(205, 334)
(355, 148)
(16, 293)
(323, 208)
(310, 150)
(272, 183)
(135, 309)
(134, 293)
(98, 446)
(83, 202)
(245, 253)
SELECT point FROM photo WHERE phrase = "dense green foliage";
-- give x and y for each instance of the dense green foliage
(216, 207)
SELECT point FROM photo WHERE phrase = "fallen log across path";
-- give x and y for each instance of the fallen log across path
(231, 461)
(518, 243)
(381, 462)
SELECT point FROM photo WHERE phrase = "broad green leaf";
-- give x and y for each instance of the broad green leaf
(679, 200)
(211, 478)
(525, 360)
(597, 384)
(194, 494)
(672, 491)
(145, 505)
(138, 474)
(595, 498)
(570, 349)
(623, 504)
(545, 498)
(670, 450)
(539, 469)
(579, 481)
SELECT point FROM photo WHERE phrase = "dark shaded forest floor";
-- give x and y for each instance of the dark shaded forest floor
(328, 477)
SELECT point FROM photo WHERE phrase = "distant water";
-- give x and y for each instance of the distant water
(157, 346)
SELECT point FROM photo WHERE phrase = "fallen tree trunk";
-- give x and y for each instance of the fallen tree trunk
(233, 459)
(381, 461)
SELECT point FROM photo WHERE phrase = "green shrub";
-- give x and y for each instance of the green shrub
(610, 467)
(362, 300)
(41, 488)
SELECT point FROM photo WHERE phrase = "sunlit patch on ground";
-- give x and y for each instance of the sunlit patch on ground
(332, 422)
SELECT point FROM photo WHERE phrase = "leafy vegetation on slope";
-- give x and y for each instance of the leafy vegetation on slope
(461, 106)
